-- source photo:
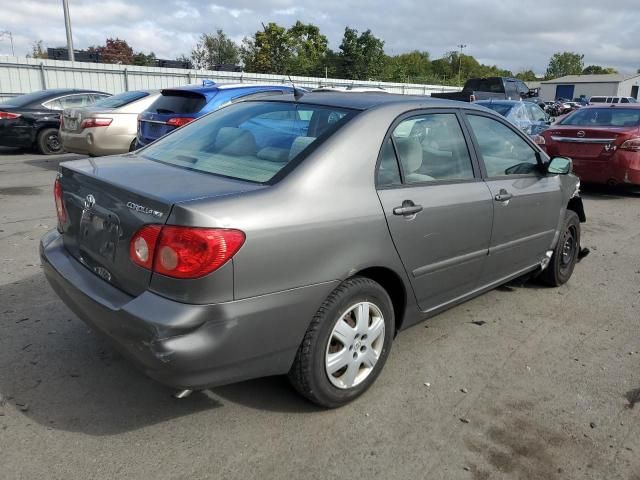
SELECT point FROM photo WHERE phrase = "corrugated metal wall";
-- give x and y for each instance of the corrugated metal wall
(23, 75)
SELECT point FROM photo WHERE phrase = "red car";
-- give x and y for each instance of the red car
(602, 141)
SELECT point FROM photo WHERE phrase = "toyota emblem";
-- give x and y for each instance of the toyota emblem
(581, 134)
(89, 201)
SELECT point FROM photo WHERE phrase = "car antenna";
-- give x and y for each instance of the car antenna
(297, 93)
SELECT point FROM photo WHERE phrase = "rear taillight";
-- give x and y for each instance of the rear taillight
(539, 139)
(179, 121)
(96, 122)
(184, 252)
(8, 115)
(632, 145)
(60, 210)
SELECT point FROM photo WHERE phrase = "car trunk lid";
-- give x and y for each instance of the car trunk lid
(584, 143)
(107, 200)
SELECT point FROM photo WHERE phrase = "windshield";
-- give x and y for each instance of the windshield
(249, 140)
(604, 117)
(502, 108)
(120, 100)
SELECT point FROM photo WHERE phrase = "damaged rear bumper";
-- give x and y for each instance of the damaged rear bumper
(184, 345)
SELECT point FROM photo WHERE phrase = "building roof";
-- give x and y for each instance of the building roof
(609, 78)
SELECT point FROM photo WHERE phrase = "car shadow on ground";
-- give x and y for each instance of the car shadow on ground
(59, 373)
(608, 192)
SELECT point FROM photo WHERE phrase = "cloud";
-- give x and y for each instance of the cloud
(513, 36)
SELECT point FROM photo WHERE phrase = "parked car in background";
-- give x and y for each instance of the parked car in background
(498, 88)
(297, 234)
(527, 116)
(601, 99)
(107, 127)
(603, 141)
(33, 120)
(178, 106)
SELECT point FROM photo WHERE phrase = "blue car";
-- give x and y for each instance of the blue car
(178, 106)
(527, 116)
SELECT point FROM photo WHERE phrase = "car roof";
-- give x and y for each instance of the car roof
(210, 87)
(614, 105)
(370, 100)
(40, 96)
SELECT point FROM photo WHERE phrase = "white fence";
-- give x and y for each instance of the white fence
(20, 75)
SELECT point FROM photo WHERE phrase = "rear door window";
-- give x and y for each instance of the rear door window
(177, 101)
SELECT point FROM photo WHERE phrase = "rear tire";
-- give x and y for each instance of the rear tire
(565, 254)
(346, 344)
(48, 142)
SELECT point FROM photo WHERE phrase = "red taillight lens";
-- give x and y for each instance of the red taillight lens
(184, 252)
(8, 115)
(60, 210)
(143, 245)
(96, 122)
(179, 121)
(632, 145)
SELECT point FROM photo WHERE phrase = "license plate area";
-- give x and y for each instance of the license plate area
(582, 150)
(98, 236)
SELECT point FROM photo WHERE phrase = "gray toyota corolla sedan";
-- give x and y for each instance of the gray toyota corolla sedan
(298, 235)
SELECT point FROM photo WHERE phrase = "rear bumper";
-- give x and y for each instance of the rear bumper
(183, 345)
(621, 168)
(95, 143)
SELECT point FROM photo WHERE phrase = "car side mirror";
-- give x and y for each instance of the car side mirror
(560, 166)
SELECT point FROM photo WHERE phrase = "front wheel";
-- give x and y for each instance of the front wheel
(565, 255)
(48, 141)
(346, 345)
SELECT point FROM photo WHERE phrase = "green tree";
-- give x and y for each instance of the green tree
(37, 50)
(412, 67)
(527, 76)
(308, 50)
(214, 50)
(362, 56)
(144, 60)
(565, 63)
(268, 51)
(598, 70)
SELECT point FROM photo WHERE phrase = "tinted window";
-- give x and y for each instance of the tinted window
(604, 117)
(485, 85)
(388, 171)
(503, 151)
(175, 101)
(248, 140)
(431, 148)
(597, 100)
(120, 100)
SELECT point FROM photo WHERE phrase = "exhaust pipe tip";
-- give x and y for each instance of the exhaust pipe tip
(180, 394)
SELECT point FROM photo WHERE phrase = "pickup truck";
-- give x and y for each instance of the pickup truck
(503, 88)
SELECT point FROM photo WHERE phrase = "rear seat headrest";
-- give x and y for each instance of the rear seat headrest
(299, 144)
(235, 141)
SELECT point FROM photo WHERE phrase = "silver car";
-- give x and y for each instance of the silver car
(108, 127)
(298, 234)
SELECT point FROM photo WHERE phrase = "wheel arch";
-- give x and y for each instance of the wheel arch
(394, 286)
(575, 205)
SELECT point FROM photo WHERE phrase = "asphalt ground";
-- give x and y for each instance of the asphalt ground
(542, 385)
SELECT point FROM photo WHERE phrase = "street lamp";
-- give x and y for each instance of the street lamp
(7, 33)
(461, 46)
(67, 26)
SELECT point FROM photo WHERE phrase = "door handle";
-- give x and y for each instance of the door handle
(503, 196)
(407, 208)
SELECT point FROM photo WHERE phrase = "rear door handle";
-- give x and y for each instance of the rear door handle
(407, 208)
(503, 196)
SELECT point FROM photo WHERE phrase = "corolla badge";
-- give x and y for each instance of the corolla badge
(143, 209)
(89, 202)
(581, 134)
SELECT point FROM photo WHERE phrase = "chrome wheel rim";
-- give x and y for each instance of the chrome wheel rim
(355, 345)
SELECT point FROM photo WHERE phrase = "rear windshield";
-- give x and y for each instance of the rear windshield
(176, 101)
(249, 140)
(485, 85)
(120, 100)
(502, 108)
(604, 117)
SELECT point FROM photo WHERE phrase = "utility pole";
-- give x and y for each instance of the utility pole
(461, 46)
(67, 25)
(8, 34)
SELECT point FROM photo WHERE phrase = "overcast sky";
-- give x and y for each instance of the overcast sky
(513, 35)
